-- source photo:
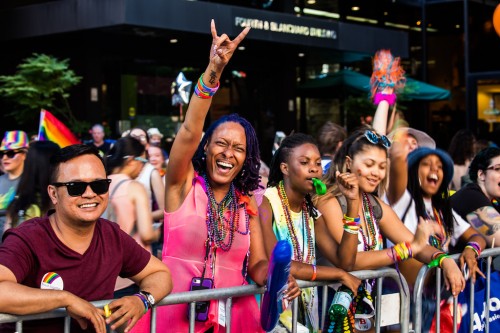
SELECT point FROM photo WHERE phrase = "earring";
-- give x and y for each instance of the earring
(243, 171)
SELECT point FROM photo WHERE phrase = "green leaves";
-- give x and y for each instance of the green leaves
(41, 82)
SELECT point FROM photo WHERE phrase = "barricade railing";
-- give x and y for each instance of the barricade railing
(419, 291)
(228, 294)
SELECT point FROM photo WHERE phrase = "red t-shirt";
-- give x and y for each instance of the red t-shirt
(39, 259)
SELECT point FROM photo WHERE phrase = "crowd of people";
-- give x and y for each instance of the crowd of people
(121, 219)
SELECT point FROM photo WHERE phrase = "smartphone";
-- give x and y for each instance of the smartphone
(201, 308)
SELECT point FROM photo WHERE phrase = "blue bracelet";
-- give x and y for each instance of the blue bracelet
(144, 300)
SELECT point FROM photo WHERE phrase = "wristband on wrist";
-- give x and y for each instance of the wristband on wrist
(389, 98)
(144, 301)
(474, 246)
(314, 273)
(438, 261)
(204, 92)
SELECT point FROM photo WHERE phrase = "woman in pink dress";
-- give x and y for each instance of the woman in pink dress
(212, 231)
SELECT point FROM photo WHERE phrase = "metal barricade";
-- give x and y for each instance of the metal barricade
(419, 288)
(228, 294)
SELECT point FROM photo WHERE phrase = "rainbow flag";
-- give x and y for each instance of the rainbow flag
(52, 129)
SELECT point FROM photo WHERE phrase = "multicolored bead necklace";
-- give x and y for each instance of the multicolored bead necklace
(371, 232)
(220, 227)
(494, 202)
(437, 240)
(298, 252)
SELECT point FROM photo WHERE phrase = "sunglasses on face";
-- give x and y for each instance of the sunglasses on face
(375, 139)
(10, 153)
(76, 189)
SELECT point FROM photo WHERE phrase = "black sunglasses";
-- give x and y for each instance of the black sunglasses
(375, 138)
(76, 189)
(10, 153)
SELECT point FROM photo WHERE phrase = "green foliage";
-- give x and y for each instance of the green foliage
(41, 82)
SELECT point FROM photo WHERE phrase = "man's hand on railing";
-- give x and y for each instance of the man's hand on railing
(83, 312)
(128, 309)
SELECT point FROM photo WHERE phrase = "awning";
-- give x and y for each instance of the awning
(355, 82)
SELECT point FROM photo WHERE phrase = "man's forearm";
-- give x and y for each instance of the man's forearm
(21, 300)
(159, 284)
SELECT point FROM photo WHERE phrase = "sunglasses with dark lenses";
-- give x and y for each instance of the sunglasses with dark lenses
(76, 189)
(10, 153)
(375, 139)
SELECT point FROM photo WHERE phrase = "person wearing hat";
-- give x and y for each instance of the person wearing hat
(12, 154)
(425, 194)
(155, 138)
(411, 138)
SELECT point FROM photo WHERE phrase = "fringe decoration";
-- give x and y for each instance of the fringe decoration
(387, 72)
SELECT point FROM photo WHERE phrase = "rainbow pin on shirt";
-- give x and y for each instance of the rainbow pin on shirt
(52, 281)
(319, 186)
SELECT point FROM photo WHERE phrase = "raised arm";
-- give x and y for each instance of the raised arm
(180, 169)
(398, 172)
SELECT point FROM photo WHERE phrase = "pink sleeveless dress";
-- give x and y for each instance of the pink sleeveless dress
(184, 253)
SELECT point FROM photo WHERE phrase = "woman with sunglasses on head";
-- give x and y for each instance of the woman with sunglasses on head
(477, 202)
(128, 202)
(358, 170)
(212, 232)
(287, 213)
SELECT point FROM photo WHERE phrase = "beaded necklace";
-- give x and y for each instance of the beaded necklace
(371, 232)
(437, 240)
(298, 252)
(494, 202)
(220, 227)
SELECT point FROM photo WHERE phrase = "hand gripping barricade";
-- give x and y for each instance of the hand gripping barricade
(191, 297)
(469, 320)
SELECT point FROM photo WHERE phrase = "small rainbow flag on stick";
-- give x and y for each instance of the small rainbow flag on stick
(52, 129)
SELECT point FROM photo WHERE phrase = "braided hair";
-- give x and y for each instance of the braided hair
(247, 179)
(282, 155)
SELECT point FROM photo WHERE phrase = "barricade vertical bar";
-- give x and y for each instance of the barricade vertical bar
(471, 308)
(455, 305)
(19, 326)
(378, 304)
(324, 305)
(488, 286)
(438, 300)
(417, 296)
(295, 310)
(67, 324)
(229, 306)
(153, 319)
(192, 314)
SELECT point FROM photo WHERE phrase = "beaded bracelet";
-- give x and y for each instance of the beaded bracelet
(389, 98)
(314, 273)
(204, 92)
(474, 246)
(144, 300)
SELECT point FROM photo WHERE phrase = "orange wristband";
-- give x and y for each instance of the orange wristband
(314, 273)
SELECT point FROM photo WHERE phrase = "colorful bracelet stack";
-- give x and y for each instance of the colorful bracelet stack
(401, 252)
(204, 92)
(437, 259)
(351, 224)
(144, 300)
(474, 246)
(314, 273)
